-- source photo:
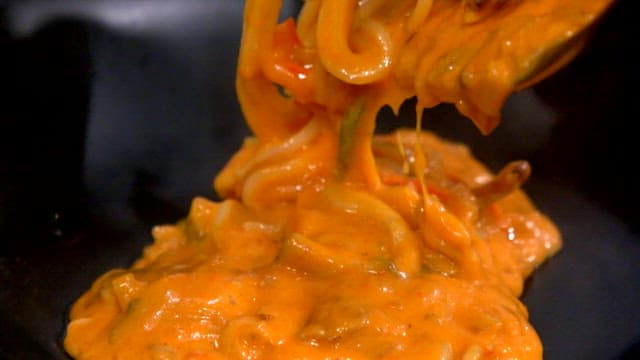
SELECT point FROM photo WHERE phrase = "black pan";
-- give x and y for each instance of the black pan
(115, 114)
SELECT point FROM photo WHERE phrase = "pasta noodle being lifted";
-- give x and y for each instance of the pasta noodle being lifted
(335, 243)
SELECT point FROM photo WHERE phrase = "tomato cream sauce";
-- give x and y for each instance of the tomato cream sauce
(332, 242)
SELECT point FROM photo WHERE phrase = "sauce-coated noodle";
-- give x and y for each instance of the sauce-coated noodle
(333, 243)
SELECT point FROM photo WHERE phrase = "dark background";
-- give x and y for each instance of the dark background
(115, 114)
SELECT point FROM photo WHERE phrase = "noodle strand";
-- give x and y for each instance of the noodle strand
(333, 32)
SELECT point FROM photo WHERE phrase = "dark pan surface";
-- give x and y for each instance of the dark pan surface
(115, 114)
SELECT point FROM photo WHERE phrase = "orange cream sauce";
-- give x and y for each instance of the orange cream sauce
(319, 277)
(335, 243)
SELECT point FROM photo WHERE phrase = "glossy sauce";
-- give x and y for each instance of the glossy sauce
(335, 243)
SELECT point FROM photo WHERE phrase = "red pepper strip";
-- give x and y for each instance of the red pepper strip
(283, 67)
(392, 178)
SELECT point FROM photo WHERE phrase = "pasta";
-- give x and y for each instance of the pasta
(332, 242)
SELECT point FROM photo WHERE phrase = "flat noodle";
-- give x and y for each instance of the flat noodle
(333, 243)
(419, 15)
(333, 36)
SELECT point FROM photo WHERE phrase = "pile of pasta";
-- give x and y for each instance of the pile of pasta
(332, 242)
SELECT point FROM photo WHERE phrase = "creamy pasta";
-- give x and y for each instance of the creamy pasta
(332, 242)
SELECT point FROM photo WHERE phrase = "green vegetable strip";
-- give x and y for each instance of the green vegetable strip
(347, 134)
